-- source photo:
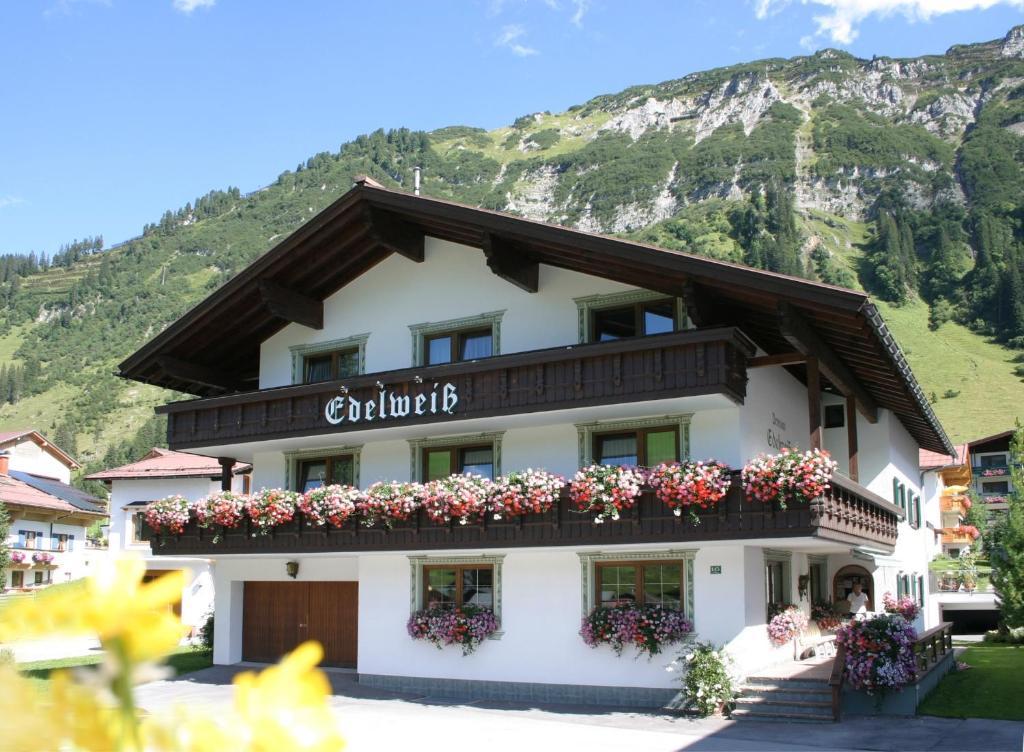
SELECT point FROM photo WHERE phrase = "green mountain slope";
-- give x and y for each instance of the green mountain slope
(902, 177)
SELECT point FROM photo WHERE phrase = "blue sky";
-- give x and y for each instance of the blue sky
(112, 111)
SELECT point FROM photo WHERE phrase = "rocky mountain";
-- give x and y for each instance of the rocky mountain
(901, 176)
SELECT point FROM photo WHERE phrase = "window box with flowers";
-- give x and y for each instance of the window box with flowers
(788, 477)
(456, 600)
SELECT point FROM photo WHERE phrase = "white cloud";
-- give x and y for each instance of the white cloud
(6, 201)
(187, 6)
(508, 39)
(581, 8)
(840, 21)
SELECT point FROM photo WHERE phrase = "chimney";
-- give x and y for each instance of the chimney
(5, 462)
(416, 181)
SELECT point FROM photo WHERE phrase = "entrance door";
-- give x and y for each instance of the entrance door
(842, 584)
(277, 616)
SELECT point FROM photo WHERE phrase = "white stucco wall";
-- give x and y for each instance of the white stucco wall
(29, 457)
(453, 282)
(70, 564)
(774, 413)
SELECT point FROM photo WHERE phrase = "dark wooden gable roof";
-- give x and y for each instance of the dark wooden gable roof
(214, 347)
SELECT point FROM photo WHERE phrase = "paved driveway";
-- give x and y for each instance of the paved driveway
(377, 720)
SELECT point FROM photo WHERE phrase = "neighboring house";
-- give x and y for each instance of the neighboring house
(399, 337)
(49, 517)
(162, 473)
(990, 463)
(971, 606)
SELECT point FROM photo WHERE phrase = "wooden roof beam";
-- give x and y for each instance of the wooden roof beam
(510, 263)
(292, 306)
(782, 359)
(803, 338)
(193, 373)
(396, 234)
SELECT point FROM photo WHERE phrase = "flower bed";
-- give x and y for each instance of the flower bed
(707, 678)
(905, 606)
(827, 616)
(221, 508)
(466, 627)
(690, 484)
(605, 490)
(168, 515)
(528, 492)
(879, 653)
(788, 477)
(329, 504)
(648, 627)
(787, 625)
(268, 508)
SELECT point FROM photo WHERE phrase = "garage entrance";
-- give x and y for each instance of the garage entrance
(277, 616)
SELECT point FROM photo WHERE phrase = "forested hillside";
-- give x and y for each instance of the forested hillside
(903, 177)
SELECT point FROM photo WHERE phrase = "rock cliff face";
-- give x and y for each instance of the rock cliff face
(833, 128)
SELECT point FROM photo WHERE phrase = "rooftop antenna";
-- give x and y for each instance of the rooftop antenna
(416, 181)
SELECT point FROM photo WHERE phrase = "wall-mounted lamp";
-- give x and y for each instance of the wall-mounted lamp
(418, 379)
(292, 568)
(380, 385)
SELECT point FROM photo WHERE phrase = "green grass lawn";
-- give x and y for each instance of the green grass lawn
(991, 688)
(184, 661)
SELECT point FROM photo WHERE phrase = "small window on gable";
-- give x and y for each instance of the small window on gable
(638, 319)
(835, 416)
(450, 347)
(330, 366)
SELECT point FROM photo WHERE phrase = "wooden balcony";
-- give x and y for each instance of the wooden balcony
(848, 514)
(680, 364)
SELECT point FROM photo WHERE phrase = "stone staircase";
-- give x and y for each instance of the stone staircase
(765, 698)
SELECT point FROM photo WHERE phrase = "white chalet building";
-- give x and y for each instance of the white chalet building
(399, 337)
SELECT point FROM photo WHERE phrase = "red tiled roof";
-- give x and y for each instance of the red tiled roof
(928, 460)
(14, 491)
(10, 437)
(163, 463)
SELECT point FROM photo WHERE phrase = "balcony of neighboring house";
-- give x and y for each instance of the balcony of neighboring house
(847, 513)
(680, 364)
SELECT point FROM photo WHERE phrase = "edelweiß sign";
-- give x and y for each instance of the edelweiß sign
(389, 404)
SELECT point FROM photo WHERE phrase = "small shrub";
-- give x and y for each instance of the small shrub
(1006, 636)
(706, 680)
(206, 632)
(951, 394)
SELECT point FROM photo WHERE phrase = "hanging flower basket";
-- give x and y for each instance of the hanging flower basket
(466, 627)
(221, 508)
(788, 477)
(905, 606)
(787, 625)
(690, 484)
(649, 628)
(268, 508)
(527, 492)
(457, 497)
(605, 490)
(329, 504)
(169, 515)
(388, 501)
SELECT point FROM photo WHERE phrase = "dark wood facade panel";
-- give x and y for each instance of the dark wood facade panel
(663, 366)
(847, 514)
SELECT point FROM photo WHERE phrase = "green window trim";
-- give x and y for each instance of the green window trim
(587, 304)
(416, 447)
(588, 572)
(293, 459)
(421, 332)
(585, 433)
(417, 563)
(299, 353)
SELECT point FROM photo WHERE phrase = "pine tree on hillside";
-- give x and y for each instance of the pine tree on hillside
(1006, 547)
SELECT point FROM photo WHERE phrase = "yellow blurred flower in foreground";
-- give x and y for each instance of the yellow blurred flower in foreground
(113, 604)
(284, 707)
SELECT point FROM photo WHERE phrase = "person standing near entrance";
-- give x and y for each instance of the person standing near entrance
(858, 601)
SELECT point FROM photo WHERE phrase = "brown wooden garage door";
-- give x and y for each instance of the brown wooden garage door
(277, 616)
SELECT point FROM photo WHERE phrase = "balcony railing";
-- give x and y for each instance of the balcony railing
(664, 366)
(848, 513)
